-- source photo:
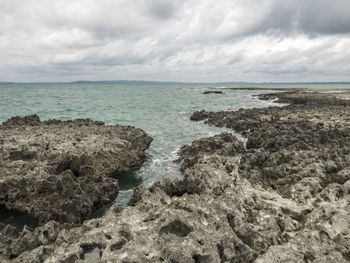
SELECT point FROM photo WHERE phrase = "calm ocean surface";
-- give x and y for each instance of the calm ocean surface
(162, 110)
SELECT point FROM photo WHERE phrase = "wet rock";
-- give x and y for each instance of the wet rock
(213, 92)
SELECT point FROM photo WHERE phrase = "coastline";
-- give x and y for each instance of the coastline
(286, 199)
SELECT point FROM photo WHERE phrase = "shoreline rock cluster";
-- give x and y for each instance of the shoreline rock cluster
(285, 198)
(300, 152)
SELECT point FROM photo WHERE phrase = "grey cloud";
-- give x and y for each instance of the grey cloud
(311, 17)
(325, 17)
(281, 18)
(195, 39)
(162, 9)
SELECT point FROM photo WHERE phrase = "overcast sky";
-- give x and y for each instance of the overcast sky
(178, 40)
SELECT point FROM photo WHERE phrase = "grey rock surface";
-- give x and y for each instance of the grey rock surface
(223, 144)
(285, 200)
(300, 152)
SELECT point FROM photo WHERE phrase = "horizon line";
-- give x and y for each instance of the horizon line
(169, 82)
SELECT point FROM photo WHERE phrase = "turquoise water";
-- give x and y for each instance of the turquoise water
(162, 110)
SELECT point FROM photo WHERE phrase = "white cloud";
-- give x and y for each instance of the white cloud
(195, 40)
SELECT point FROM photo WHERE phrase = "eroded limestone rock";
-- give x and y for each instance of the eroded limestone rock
(64, 170)
(223, 144)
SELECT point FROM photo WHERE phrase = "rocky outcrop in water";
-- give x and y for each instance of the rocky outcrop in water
(285, 200)
(65, 170)
(213, 92)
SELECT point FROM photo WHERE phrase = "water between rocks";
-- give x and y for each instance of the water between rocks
(162, 110)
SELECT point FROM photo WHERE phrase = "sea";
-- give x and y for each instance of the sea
(163, 110)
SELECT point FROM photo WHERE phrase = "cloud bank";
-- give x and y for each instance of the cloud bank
(193, 40)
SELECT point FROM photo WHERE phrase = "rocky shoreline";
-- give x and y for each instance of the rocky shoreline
(285, 198)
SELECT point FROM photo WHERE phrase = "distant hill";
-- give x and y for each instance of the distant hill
(180, 82)
(149, 82)
(123, 82)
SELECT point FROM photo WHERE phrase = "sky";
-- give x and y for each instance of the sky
(178, 40)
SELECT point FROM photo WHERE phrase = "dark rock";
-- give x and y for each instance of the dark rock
(30, 120)
(213, 92)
